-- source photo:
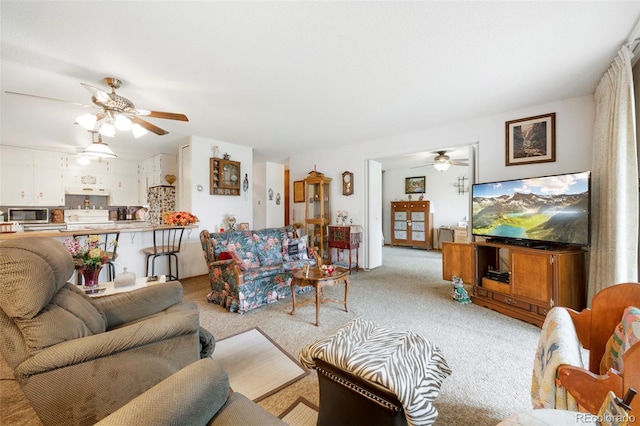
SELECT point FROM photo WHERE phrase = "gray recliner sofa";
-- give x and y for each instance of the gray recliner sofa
(196, 395)
(79, 359)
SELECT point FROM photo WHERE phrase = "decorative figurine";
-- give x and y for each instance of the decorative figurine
(458, 293)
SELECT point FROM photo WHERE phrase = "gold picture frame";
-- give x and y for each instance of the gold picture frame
(531, 140)
(244, 226)
(414, 185)
(298, 191)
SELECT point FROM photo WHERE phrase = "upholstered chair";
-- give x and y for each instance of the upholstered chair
(79, 359)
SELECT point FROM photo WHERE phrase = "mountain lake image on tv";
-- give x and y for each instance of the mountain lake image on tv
(548, 209)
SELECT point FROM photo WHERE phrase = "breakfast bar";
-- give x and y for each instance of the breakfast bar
(134, 236)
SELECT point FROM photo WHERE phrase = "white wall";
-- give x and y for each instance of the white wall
(574, 130)
(267, 213)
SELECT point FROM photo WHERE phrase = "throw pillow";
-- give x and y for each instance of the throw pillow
(225, 255)
(624, 336)
(294, 249)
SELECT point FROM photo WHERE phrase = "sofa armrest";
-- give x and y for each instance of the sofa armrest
(191, 396)
(122, 308)
(85, 349)
(224, 268)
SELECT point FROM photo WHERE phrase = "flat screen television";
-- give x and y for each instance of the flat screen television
(546, 210)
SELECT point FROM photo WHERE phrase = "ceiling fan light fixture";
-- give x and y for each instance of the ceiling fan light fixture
(123, 122)
(98, 150)
(138, 130)
(84, 160)
(442, 166)
(107, 129)
(88, 121)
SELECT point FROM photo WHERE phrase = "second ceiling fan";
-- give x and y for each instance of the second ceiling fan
(442, 162)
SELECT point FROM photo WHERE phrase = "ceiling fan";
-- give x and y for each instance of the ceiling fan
(442, 162)
(117, 112)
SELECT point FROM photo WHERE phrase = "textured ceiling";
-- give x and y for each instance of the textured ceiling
(282, 77)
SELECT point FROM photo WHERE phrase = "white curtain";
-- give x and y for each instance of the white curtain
(614, 180)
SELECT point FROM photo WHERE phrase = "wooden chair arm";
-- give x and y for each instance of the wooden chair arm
(589, 389)
(317, 256)
(582, 323)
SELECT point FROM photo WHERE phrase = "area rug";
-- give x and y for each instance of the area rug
(300, 413)
(256, 365)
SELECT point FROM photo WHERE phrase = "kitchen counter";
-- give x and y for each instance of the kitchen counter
(122, 227)
(134, 236)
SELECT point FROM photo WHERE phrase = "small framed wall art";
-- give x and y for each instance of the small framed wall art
(298, 191)
(531, 140)
(244, 226)
(414, 185)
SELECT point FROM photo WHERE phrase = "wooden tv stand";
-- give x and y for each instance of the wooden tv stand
(539, 278)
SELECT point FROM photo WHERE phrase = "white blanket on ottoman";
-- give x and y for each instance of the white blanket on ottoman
(405, 363)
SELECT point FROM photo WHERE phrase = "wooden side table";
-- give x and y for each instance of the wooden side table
(318, 280)
(345, 238)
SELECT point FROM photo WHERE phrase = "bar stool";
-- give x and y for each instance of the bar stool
(109, 244)
(166, 242)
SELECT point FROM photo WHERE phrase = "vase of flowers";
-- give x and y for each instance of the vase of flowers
(91, 274)
(88, 256)
(180, 218)
(343, 215)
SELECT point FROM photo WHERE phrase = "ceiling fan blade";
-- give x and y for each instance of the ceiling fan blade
(166, 115)
(99, 94)
(150, 127)
(459, 163)
(49, 99)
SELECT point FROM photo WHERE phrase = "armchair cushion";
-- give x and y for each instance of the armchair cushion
(68, 316)
(270, 251)
(122, 308)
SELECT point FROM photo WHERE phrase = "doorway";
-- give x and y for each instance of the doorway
(385, 183)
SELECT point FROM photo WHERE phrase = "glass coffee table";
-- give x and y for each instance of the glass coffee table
(316, 278)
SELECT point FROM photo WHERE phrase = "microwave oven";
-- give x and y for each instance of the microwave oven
(28, 215)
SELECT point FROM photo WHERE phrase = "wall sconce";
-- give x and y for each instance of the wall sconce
(461, 185)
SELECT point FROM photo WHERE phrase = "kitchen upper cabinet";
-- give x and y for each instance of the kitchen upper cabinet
(152, 172)
(31, 177)
(123, 183)
(93, 175)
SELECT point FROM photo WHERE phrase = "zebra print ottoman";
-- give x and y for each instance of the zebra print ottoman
(406, 364)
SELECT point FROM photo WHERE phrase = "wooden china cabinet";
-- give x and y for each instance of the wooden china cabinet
(411, 224)
(317, 190)
(224, 177)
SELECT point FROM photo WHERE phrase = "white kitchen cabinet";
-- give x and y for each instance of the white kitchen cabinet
(124, 183)
(31, 177)
(93, 175)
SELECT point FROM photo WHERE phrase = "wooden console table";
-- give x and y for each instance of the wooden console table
(345, 238)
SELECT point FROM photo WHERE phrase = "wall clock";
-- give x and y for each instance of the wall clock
(347, 183)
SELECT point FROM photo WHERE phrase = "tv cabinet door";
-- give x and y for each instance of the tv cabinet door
(532, 276)
(457, 259)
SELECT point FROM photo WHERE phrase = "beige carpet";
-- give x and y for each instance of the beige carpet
(256, 365)
(301, 413)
